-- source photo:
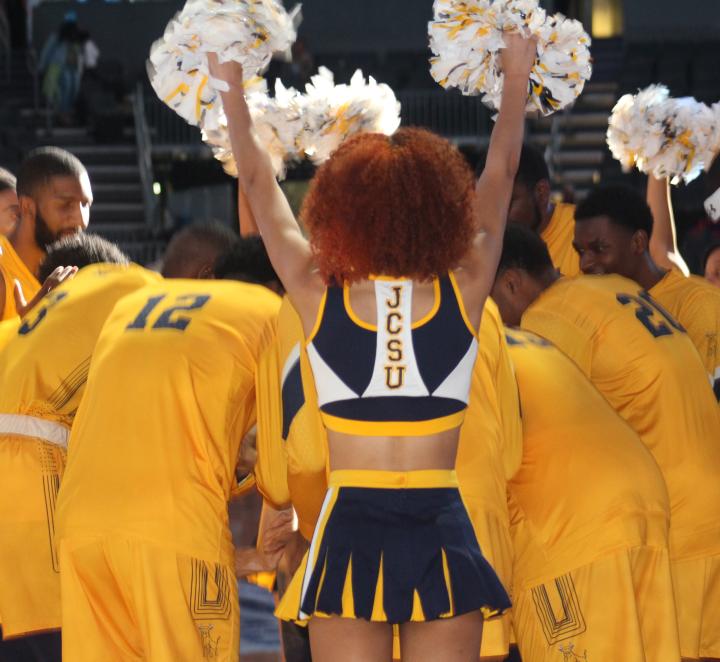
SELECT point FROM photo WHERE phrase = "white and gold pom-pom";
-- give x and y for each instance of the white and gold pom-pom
(245, 31)
(332, 113)
(663, 136)
(277, 120)
(466, 38)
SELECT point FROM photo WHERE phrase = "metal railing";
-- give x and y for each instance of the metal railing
(447, 113)
(144, 155)
(5, 45)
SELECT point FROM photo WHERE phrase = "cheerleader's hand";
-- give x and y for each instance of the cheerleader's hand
(519, 55)
(231, 72)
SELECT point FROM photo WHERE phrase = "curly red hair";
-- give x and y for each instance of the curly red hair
(396, 205)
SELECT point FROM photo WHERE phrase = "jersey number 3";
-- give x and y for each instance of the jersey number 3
(645, 311)
(171, 317)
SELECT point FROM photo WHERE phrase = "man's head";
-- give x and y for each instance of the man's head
(80, 250)
(248, 261)
(9, 206)
(525, 270)
(612, 231)
(54, 192)
(711, 263)
(531, 192)
(193, 251)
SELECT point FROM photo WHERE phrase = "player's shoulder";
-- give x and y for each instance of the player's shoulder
(491, 315)
(564, 211)
(568, 295)
(578, 307)
(701, 289)
(104, 274)
(522, 338)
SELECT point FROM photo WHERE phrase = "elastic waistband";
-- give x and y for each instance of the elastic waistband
(393, 479)
(32, 426)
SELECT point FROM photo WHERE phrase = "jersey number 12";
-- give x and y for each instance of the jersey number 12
(170, 317)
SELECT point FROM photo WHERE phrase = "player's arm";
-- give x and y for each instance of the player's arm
(287, 248)
(663, 242)
(56, 278)
(494, 187)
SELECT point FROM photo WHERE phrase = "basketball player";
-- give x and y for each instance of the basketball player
(43, 368)
(531, 207)
(9, 205)
(54, 193)
(142, 514)
(590, 516)
(613, 229)
(640, 358)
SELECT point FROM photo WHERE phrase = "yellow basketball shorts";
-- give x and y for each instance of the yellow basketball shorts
(124, 599)
(393, 547)
(620, 607)
(29, 574)
(697, 600)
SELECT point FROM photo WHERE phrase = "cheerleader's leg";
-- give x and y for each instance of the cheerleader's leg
(454, 639)
(350, 640)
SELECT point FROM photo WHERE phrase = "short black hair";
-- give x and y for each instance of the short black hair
(532, 167)
(79, 250)
(192, 244)
(708, 252)
(8, 181)
(42, 164)
(247, 261)
(623, 205)
(524, 249)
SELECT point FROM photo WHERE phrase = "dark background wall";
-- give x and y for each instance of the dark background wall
(673, 20)
(125, 31)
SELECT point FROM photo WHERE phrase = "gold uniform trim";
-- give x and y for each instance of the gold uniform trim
(373, 327)
(318, 319)
(461, 304)
(393, 428)
(419, 479)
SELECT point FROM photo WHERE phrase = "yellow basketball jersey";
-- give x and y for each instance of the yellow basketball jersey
(489, 452)
(8, 329)
(45, 364)
(292, 442)
(289, 420)
(558, 236)
(647, 368)
(43, 369)
(696, 305)
(12, 268)
(587, 485)
(490, 448)
(170, 396)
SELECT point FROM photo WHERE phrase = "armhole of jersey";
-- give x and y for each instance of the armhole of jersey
(351, 313)
(318, 319)
(437, 293)
(461, 305)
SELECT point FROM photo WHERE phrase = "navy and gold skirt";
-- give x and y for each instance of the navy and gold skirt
(393, 547)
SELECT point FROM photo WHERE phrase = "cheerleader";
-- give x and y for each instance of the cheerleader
(390, 286)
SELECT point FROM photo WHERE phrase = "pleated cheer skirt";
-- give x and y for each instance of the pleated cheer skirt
(393, 547)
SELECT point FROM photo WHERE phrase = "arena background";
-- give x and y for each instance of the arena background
(152, 174)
